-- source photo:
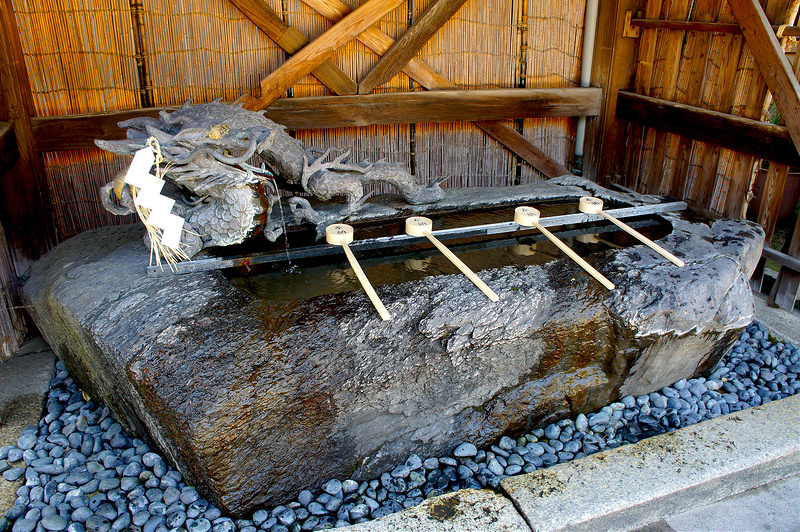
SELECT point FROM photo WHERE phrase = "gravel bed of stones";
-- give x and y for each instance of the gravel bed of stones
(83, 473)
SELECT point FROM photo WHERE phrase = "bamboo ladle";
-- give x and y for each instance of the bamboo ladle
(529, 216)
(342, 235)
(421, 226)
(591, 205)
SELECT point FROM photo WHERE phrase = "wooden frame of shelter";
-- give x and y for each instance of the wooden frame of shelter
(664, 118)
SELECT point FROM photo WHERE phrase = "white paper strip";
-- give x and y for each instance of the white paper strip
(140, 167)
(171, 224)
(150, 197)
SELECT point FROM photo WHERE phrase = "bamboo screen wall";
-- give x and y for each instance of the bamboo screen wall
(82, 56)
(711, 70)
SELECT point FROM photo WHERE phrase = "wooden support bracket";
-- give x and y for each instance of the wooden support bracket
(629, 30)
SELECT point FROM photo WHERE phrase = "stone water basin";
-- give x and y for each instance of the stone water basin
(237, 389)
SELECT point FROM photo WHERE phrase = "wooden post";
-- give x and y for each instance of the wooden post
(25, 209)
(612, 70)
(784, 291)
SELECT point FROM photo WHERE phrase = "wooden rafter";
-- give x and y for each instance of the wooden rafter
(291, 41)
(771, 61)
(315, 53)
(716, 27)
(409, 44)
(423, 74)
(55, 133)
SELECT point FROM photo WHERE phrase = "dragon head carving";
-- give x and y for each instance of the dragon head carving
(224, 199)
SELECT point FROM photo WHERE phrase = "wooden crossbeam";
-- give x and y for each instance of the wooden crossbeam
(8, 147)
(291, 41)
(74, 132)
(315, 53)
(407, 46)
(432, 106)
(765, 141)
(423, 74)
(771, 61)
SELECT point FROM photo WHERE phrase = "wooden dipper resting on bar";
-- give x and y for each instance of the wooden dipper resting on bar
(529, 216)
(591, 205)
(421, 226)
(341, 235)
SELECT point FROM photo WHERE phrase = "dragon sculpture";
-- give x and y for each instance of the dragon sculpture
(224, 199)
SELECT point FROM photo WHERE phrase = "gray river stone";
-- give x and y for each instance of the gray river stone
(236, 391)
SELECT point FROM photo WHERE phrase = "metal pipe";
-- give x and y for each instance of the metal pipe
(589, 30)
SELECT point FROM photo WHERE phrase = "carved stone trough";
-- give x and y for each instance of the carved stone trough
(254, 399)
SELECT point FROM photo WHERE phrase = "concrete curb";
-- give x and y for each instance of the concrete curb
(24, 384)
(629, 487)
(634, 485)
(461, 510)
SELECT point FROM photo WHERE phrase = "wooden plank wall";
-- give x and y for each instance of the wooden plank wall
(706, 69)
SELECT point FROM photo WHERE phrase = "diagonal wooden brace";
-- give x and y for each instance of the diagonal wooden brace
(315, 53)
(423, 74)
(291, 41)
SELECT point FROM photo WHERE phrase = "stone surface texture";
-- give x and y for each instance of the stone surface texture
(237, 391)
(481, 510)
(635, 485)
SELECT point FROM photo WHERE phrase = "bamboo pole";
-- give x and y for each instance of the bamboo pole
(341, 235)
(421, 226)
(528, 216)
(591, 205)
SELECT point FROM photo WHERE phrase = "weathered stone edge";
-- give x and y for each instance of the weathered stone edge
(632, 486)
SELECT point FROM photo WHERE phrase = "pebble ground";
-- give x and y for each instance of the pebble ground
(83, 473)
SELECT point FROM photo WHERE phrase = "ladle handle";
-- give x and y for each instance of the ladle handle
(636, 234)
(365, 283)
(574, 256)
(463, 267)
